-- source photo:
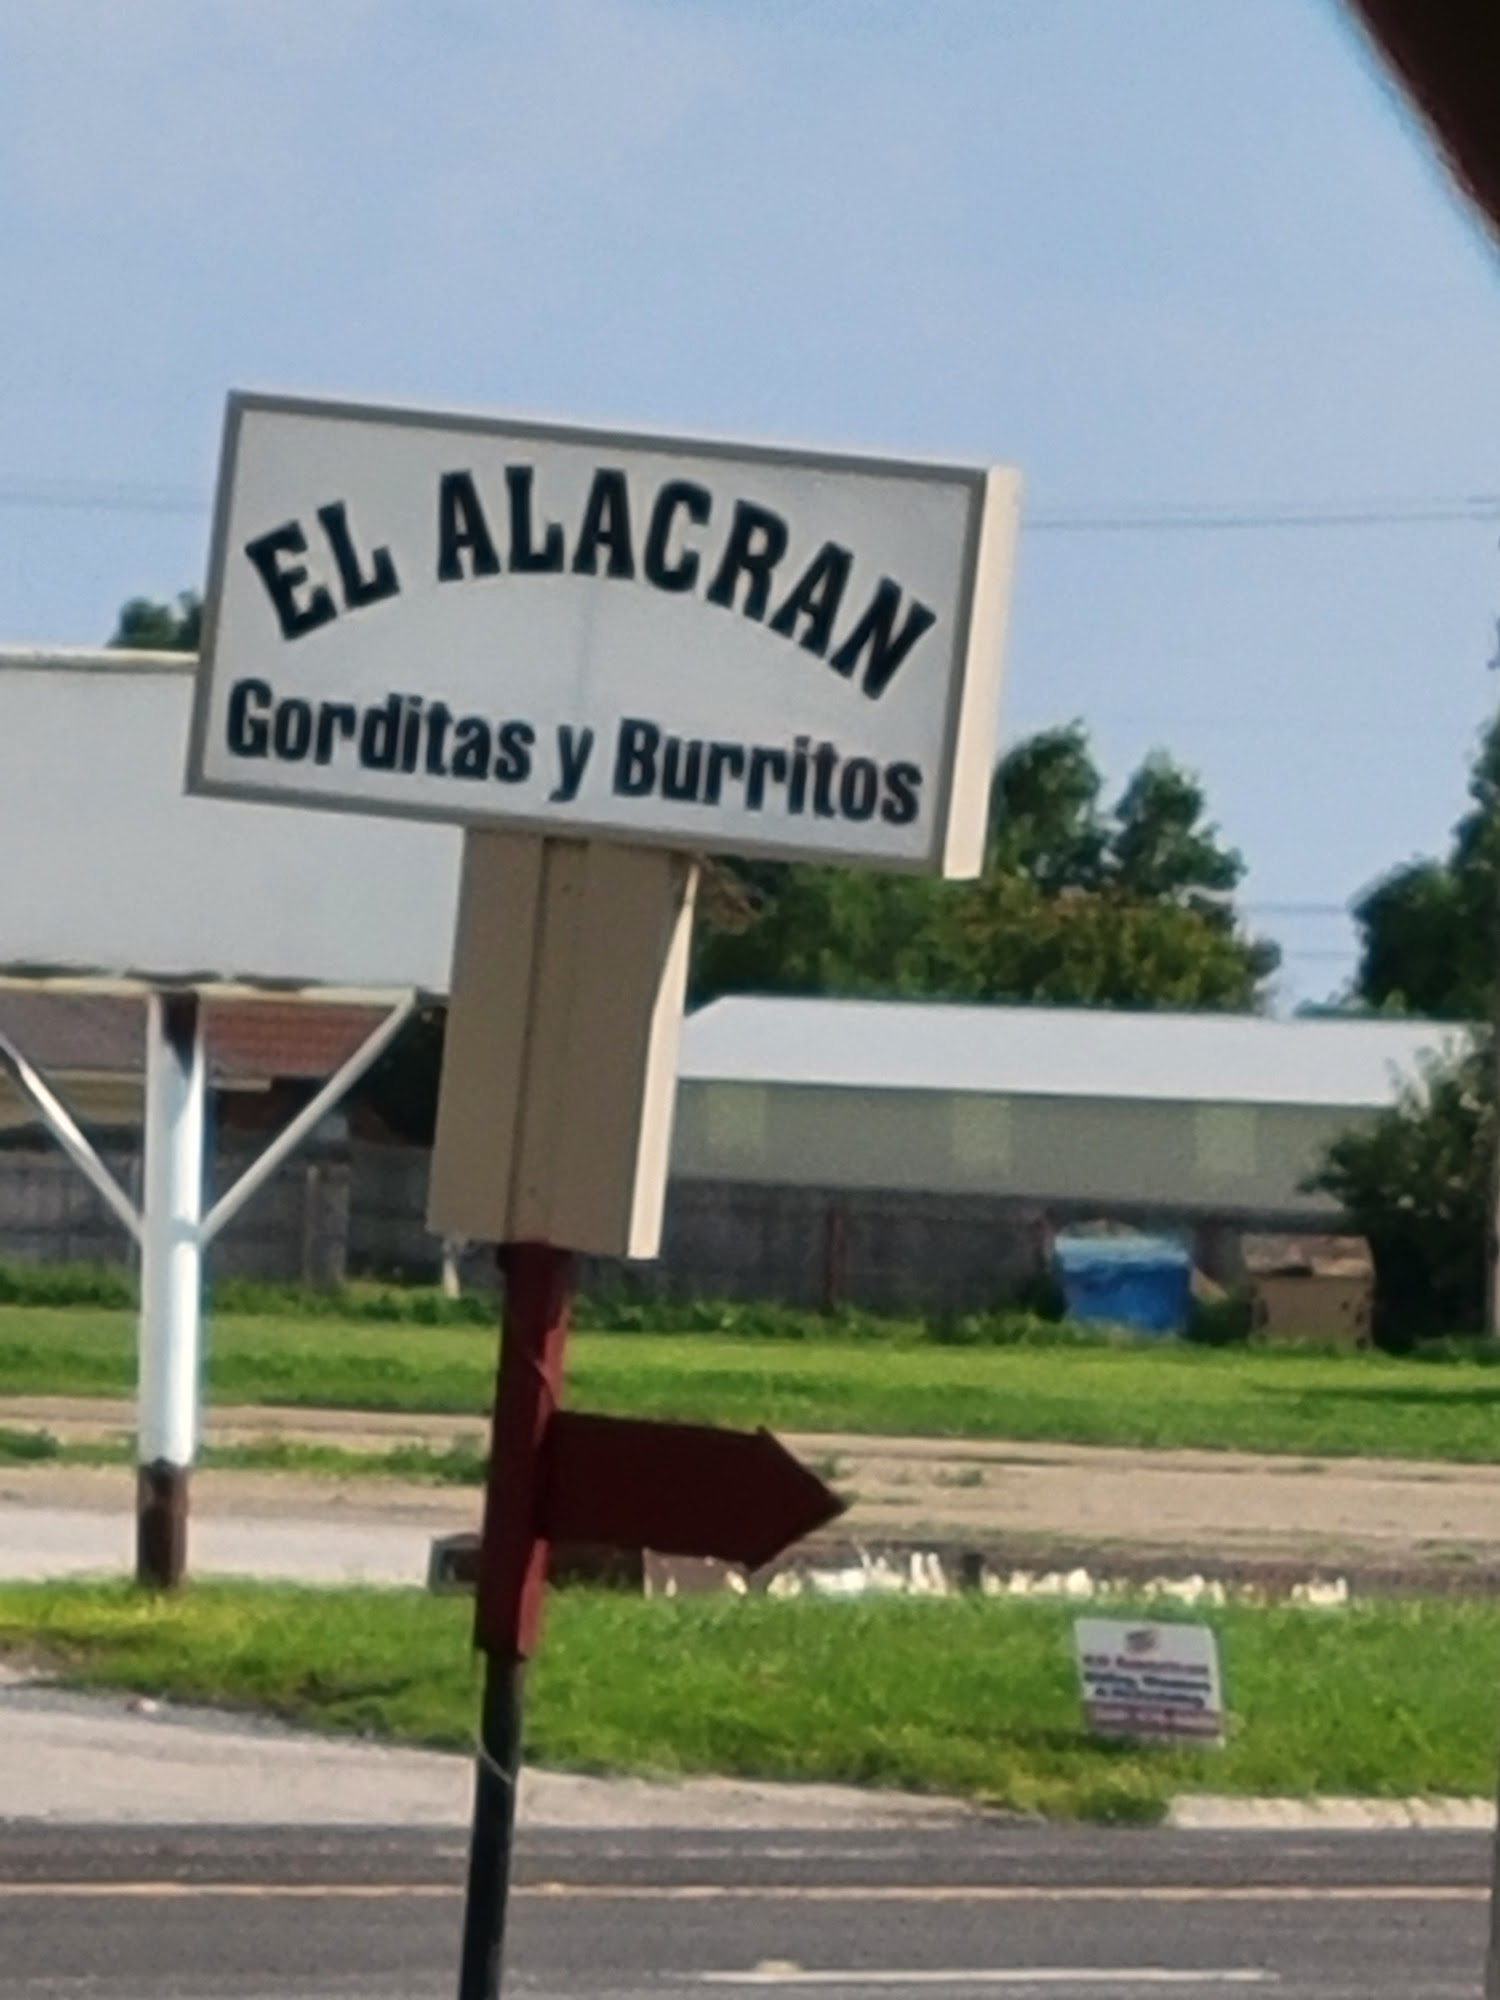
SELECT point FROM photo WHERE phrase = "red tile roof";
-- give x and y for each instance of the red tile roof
(249, 1041)
(286, 1038)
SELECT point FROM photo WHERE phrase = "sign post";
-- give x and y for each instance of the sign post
(527, 1393)
(171, 1285)
(603, 656)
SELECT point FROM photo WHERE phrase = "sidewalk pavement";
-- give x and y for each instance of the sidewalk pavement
(111, 1760)
(38, 1543)
(82, 1760)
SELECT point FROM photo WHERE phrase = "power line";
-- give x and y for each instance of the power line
(101, 496)
(1482, 509)
(1192, 517)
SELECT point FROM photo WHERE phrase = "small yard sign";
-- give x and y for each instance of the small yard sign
(1151, 1682)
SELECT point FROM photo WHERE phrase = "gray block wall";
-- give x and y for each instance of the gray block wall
(361, 1212)
(295, 1230)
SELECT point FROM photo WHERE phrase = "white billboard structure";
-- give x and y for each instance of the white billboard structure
(119, 883)
(115, 875)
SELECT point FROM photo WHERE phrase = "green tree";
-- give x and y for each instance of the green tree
(1129, 906)
(1005, 939)
(1045, 820)
(1416, 1185)
(821, 930)
(401, 1087)
(1420, 1183)
(148, 627)
(1161, 849)
(1428, 943)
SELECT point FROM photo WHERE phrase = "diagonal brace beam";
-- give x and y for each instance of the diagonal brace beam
(65, 1129)
(287, 1141)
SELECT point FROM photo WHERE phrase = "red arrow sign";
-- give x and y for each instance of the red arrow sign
(680, 1489)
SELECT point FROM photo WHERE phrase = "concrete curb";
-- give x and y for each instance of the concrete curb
(1208, 1814)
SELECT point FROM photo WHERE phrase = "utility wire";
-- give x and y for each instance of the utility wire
(1482, 509)
(1193, 517)
(101, 496)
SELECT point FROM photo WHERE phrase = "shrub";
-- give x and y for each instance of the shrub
(623, 1313)
(18, 1447)
(1416, 1185)
(65, 1285)
(1221, 1322)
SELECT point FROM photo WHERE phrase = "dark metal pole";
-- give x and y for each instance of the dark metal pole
(487, 1897)
(512, 1577)
(161, 1525)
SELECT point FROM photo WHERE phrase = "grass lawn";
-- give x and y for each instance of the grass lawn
(452, 1465)
(969, 1696)
(1284, 1400)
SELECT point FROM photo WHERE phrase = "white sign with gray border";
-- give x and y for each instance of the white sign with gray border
(709, 647)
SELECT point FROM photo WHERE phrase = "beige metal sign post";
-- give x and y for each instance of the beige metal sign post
(602, 655)
(560, 1058)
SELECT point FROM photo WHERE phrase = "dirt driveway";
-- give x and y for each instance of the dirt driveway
(1032, 1504)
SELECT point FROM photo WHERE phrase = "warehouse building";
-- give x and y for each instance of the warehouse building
(903, 1154)
(895, 1155)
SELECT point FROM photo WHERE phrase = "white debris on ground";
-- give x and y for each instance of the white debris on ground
(922, 1574)
(1315, 1594)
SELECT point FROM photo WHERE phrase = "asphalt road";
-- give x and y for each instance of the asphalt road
(958, 1911)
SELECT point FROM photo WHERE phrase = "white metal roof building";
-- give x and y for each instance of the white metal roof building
(1192, 1114)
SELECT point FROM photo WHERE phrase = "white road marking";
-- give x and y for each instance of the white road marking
(1050, 1975)
(999, 1892)
(710, 1892)
(187, 1892)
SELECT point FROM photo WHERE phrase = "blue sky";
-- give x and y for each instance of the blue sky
(1176, 259)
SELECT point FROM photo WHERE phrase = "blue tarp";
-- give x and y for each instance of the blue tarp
(1139, 1281)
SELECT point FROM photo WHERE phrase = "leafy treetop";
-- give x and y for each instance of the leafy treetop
(1078, 904)
(1430, 927)
(148, 627)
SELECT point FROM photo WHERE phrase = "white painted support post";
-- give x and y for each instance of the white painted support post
(174, 1233)
(450, 1279)
(64, 1128)
(171, 1285)
(307, 1120)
